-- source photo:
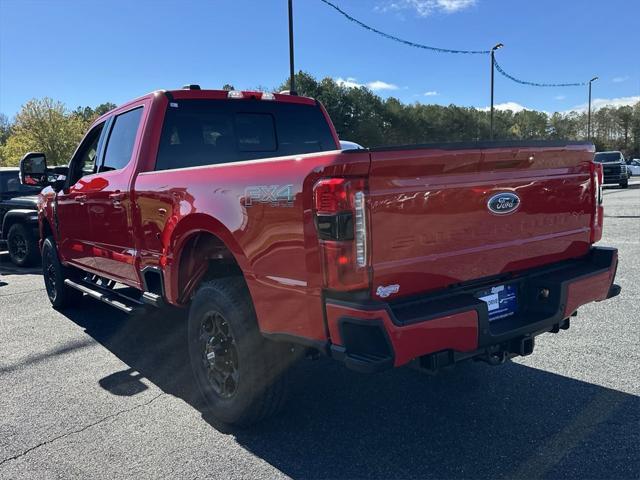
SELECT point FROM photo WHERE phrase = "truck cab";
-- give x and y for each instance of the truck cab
(614, 168)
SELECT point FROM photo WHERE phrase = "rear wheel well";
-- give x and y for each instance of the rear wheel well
(204, 257)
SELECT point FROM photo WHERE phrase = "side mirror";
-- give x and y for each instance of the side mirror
(33, 170)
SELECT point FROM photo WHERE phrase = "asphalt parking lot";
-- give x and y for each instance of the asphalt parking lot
(91, 393)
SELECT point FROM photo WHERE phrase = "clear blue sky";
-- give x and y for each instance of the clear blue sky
(89, 52)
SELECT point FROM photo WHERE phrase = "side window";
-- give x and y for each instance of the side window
(84, 161)
(213, 132)
(13, 185)
(121, 140)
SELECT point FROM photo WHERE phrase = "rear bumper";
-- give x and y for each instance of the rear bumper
(609, 179)
(372, 335)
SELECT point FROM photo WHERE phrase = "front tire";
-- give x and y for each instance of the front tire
(240, 374)
(60, 295)
(624, 184)
(22, 245)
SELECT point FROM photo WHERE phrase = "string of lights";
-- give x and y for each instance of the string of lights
(400, 40)
(535, 84)
(448, 50)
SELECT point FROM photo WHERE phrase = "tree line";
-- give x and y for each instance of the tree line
(45, 125)
(364, 117)
(359, 115)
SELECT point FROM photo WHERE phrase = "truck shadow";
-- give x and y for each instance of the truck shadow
(474, 422)
(8, 268)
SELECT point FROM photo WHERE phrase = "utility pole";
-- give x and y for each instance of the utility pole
(493, 61)
(292, 75)
(589, 114)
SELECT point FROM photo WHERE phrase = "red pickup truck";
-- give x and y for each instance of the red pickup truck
(241, 207)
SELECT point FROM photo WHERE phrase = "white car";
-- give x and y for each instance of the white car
(347, 145)
(634, 167)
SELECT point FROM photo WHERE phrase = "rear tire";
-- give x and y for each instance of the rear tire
(22, 245)
(240, 374)
(624, 183)
(60, 295)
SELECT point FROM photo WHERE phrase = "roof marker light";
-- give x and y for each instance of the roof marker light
(268, 96)
(235, 94)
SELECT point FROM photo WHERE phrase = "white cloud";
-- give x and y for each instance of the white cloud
(598, 103)
(451, 6)
(349, 82)
(430, 93)
(375, 86)
(513, 106)
(560, 97)
(424, 8)
(620, 79)
(380, 85)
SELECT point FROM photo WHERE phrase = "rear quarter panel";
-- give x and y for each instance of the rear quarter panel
(261, 210)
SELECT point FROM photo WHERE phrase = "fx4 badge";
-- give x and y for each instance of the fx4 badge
(276, 195)
(384, 292)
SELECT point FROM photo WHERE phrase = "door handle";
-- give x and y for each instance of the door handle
(116, 197)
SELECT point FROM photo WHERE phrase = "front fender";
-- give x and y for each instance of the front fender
(19, 215)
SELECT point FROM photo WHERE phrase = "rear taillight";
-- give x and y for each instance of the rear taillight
(360, 228)
(340, 209)
(598, 213)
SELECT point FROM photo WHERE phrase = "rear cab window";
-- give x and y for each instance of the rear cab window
(210, 132)
(607, 157)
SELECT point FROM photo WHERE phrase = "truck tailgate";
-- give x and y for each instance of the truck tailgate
(431, 227)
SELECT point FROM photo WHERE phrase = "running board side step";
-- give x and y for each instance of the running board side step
(152, 299)
(123, 303)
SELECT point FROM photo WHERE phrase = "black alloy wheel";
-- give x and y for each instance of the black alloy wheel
(18, 247)
(219, 354)
(49, 273)
(22, 245)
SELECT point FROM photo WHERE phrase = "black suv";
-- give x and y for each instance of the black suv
(614, 168)
(18, 218)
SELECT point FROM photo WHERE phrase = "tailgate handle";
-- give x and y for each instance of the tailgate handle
(81, 198)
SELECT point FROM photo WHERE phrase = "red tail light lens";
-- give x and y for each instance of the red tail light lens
(331, 195)
(341, 221)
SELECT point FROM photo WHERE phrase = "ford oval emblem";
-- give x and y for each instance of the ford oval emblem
(503, 203)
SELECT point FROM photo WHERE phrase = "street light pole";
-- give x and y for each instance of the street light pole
(292, 76)
(493, 61)
(589, 114)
